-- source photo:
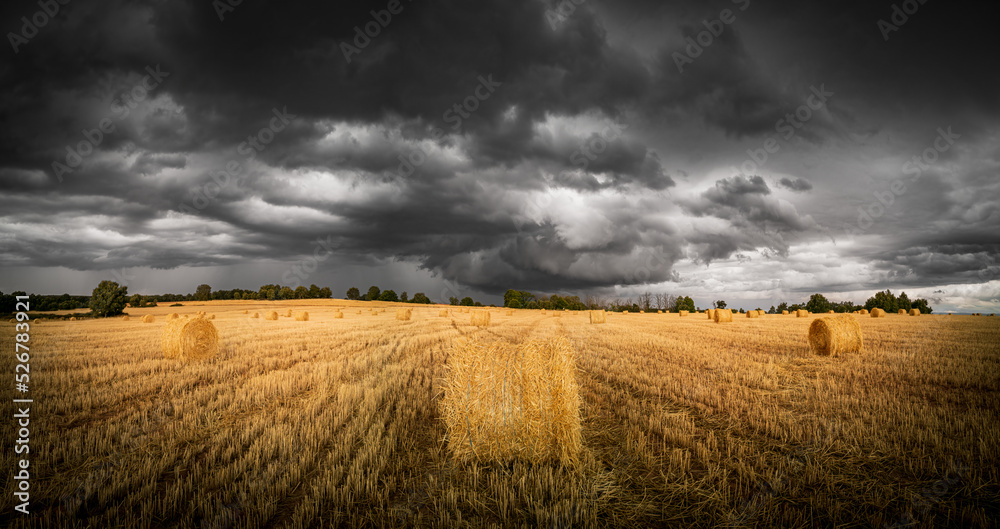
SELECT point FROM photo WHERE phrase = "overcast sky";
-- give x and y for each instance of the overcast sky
(742, 150)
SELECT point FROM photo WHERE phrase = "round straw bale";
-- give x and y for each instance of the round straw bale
(878, 313)
(598, 316)
(784, 313)
(172, 316)
(404, 314)
(863, 312)
(148, 318)
(72, 318)
(752, 314)
(510, 312)
(359, 312)
(190, 339)
(901, 312)
(833, 335)
(288, 313)
(829, 312)
(255, 315)
(802, 313)
(442, 313)
(12, 320)
(272, 315)
(659, 312)
(683, 313)
(710, 313)
(338, 315)
(914, 312)
(482, 318)
(125, 317)
(246, 312)
(302, 316)
(723, 315)
(543, 311)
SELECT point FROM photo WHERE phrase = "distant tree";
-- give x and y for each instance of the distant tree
(108, 299)
(404, 297)
(771, 310)
(685, 303)
(325, 293)
(903, 302)
(301, 292)
(373, 293)
(420, 297)
(720, 304)
(781, 307)
(353, 293)
(203, 293)
(388, 295)
(135, 301)
(884, 300)
(453, 300)
(818, 304)
(286, 293)
(313, 291)
(467, 302)
(921, 305)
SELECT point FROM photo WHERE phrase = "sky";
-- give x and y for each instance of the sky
(743, 150)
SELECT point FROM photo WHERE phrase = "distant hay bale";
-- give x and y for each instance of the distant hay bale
(442, 313)
(302, 316)
(863, 312)
(802, 313)
(200, 314)
(624, 312)
(272, 315)
(404, 314)
(543, 311)
(148, 318)
(255, 315)
(246, 312)
(466, 310)
(172, 316)
(288, 313)
(752, 314)
(722, 315)
(914, 312)
(598, 316)
(710, 313)
(12, 320)
(834, 335)
(211, 316)
(829, 312)
(642, 312)
(190, 339)
(659, 312)
(784, 313)
(901, 312)
(125, 317)
(682, 313)
(338, 315)
(557, 315)
(72, 318)
(877, 313)
(505, 401)
(480, 318)
(510, 312)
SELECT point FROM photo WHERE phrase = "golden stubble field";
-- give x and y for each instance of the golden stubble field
(335, 422)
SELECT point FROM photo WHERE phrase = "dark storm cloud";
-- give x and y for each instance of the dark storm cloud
(796, 184)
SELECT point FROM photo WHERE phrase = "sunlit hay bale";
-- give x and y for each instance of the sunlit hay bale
(557, 315)
(272, 315)
(901, 312)
(288, 313)
(148, 318)
(302, 316)
(506, 401)
(510, 312)
(480, 318)
(598, 316)
(863, 312)
(833, 335)
(659, 312)
(722, 315)
(993, 314)
(784, 313)
(246, 312)
(200, 314)
(404, 314)
(878, 313)
(338, 315)
(642, 312)
(710, 313)
(125, 317)
(914, 312)
(255, 315)
(442, 313)
(12, 320)
(190, 339)
(682, 313)
(72, 318)
(752, 314)
(802, 313)
(543, 311)
(624, 312)
(359, 312)
(172, 316)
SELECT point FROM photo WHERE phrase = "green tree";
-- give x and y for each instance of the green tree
(313, 291)
(108, 299)
(353, 293)
(921, 305)
(818, 304)
(467, 302)
(203, 293)
(388, 295)
(135, 301)
(325, 293)
(373, 293)
(453, 300)
(404, 297)
(420, 297)
(286, 293)
(720, 304)
(903, 302)
(685, 303)
(884, 300)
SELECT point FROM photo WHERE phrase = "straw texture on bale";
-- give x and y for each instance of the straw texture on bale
(802, 313)
(863, 312)
(480, 318)
(901, 311)
(834, 335)
(914, 312)
(148, 318)
(878, 313)
(338, 315)
(125, 317)
(272, 315)
(288, 314)
(683, 313)
(642, 312)
(752, 314)
(723, 315)
(659, 312)
(255, 315)
(598, 316)
(711, 314)
(784, 313)
(302, 316)
(172, 316)
(442, 313)
(557, 315)
(190, 339)
(404, 314)
(506, 401)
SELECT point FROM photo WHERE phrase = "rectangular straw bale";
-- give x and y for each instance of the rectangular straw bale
(598, 316)
(505, 401)
(480, 318)
(404, 314)
(683, 313)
